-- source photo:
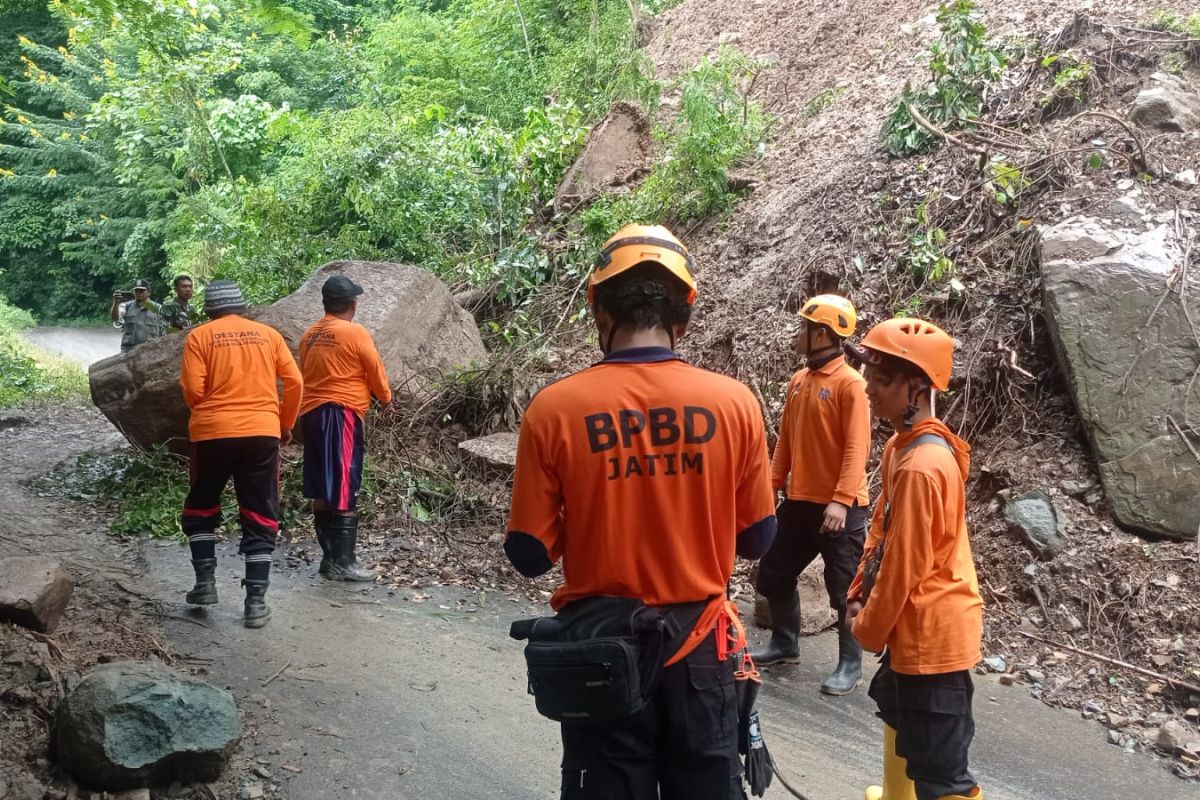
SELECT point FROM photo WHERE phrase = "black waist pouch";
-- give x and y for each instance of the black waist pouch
(594, 680)
(596, 661)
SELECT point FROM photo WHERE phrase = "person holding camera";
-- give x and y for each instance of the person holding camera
(645, 476)
(139, 319)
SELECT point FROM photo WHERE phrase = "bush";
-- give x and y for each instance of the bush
(718, 127)
(964, 64)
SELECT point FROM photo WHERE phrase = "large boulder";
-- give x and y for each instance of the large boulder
(421, 334)
(130, 724)
(617, 154)
(34, 592)
(1129, 375)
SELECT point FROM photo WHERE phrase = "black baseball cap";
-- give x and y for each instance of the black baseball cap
(339, 287)
(141, 283)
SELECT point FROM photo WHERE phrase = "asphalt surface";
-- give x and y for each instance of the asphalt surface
(84, 346)
(387, 697)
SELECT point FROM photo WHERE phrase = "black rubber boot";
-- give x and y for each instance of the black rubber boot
(784, 647)
(343, 539)
(321, 525)
(848, 673)
(257, 610)
(204, 593)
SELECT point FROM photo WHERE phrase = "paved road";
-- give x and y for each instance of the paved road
(84, 346)
(390, 698)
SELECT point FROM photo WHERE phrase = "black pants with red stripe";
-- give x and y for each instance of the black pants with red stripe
(253, 463)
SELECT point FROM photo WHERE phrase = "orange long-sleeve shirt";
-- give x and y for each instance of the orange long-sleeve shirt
(231, 370)
(341, 365)
(824, 436)
(640, 473)
(925, 606)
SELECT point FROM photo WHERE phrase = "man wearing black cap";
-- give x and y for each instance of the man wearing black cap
(342, 370)
(139, 318)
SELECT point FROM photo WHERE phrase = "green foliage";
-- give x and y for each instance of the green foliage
(924, 256)
(28, 376)
(963, 64)
(717, 128)
(1072, 77)
(1008, 182)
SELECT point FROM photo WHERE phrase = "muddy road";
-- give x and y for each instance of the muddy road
(84, 346)
(372, 693)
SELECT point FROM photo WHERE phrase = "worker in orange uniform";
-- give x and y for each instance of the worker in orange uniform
(342, 370)
(820, 464)
(645, 476)
(916, 596)
(230, 374)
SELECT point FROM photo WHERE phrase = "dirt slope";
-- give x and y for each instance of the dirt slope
(828, 215)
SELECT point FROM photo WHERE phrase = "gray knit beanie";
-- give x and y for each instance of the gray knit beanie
(223, 297)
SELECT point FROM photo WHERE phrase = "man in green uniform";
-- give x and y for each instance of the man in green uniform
(177, 314)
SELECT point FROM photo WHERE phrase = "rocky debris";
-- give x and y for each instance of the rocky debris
(420, 332)
(131, 724)
(1098, 279)
(1033, 519)
(617, 154)
(1170, 104)
(1175, 736)
(815, 613)
(494, 453)
(34, 592)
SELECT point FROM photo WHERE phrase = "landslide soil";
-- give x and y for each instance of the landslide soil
(108, 618)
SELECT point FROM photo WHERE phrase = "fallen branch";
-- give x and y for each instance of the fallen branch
(1141, 162)
(1183, 437)
(271, 679)
(1158, 676)
(919, 118)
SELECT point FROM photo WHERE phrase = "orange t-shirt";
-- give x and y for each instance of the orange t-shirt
(341, 365)
(825, 436)
(639, 475)
(231, 370)
(925, 606)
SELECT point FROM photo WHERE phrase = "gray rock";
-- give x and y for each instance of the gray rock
(34, 592)
(1185, 178)
(815, 613)
(1172, 736)
(1033, 519)
(1114, 737)
(129, 724)
(495, 452)
(996, 663)
(1035, 676)
(420, 332)
(1125, 389)
(1170, 104)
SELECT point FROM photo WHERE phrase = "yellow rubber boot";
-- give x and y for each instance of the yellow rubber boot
(896, 784)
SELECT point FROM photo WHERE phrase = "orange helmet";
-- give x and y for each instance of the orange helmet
(916, 341)
(638, 244)
(833, 310)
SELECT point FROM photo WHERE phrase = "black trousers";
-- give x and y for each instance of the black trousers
(253, 463)
(799, 541)
(681, 746)
(934, 726)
